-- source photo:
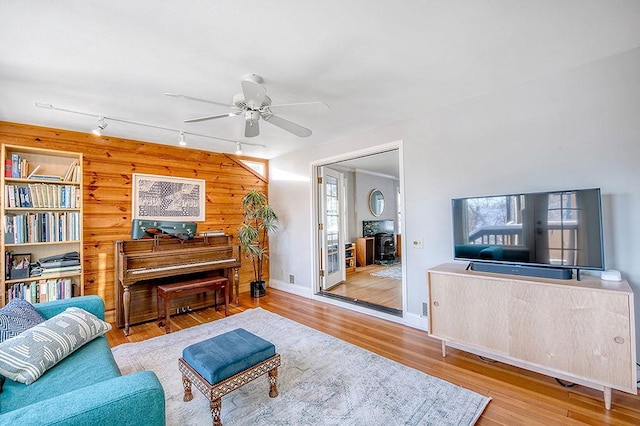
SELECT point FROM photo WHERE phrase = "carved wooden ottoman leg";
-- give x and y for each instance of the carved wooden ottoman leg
(216, 407)
(186, 383)
(273, 382)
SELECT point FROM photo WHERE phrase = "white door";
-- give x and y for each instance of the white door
(331, 229)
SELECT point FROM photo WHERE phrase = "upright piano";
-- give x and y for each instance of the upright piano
(142, 265)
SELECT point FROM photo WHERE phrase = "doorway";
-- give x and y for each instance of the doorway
(359, 201)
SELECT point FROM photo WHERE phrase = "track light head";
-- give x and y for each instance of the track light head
(238, 148)
(102, 124)
(181, 140)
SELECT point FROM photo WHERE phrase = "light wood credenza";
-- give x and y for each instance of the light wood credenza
(579, 331)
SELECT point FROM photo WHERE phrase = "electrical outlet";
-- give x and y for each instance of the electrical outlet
(417, 243)
(292, 279)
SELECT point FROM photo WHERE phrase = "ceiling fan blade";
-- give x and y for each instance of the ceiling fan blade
(251, 128)
(287, 125)
(307, 106)
(191, 98)
(210, 117)
(254, 93)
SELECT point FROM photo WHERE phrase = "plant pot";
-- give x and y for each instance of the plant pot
(258, 288)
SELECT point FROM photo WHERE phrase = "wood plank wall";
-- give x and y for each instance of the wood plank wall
(108, 167)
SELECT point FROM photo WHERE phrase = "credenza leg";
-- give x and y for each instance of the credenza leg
(444, 349)
(607, 398)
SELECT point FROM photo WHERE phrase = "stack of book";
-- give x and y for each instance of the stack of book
(59, 264)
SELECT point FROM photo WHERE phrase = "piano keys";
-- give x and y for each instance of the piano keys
(142, 265)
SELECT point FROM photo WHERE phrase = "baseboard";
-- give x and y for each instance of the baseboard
(291, 288)
(410, 320)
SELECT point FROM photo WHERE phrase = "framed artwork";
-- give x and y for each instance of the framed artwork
(167, 198)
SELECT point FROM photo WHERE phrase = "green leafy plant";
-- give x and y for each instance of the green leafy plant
(259, 221)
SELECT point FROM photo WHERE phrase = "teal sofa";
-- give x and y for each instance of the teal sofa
(86, 388)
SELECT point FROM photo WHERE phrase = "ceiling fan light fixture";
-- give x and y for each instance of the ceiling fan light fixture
(254, 105)
(252, 116)
(181, 140)
(238, 148)
(102, 124)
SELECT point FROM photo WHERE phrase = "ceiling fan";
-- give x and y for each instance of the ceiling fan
(254, 104)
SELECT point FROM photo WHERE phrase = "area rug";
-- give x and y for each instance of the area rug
(394, 272)
(322, 381)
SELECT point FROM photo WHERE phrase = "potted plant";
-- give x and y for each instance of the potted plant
(259, 220)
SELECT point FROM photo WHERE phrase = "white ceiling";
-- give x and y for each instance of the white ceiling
(372, 61)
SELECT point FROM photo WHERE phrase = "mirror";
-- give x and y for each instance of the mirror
(376, 202)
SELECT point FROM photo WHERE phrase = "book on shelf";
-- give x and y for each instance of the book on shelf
(70, 175)
(61, 270)
(15, 165)
(59, 263)
(47, 177)
(33, 172)
(9, 196)
(8, 166)
(24, 168)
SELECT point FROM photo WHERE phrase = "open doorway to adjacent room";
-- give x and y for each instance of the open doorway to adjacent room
(359, 212)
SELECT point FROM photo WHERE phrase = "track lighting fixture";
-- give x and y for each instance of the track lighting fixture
(102, 124)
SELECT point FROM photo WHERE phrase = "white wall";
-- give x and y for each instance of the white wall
(576, 129)
(365, 183)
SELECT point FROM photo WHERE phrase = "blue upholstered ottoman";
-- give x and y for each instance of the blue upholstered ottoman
(223, 363)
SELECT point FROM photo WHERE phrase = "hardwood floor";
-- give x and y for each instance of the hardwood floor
(363, 286)
(519, 397)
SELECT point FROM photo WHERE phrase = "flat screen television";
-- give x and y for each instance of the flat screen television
(557, 229)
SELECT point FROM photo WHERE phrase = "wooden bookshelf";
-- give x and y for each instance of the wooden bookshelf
(349, 258)
(41, 217)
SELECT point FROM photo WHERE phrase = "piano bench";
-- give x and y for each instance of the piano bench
(224, 363)
(168, 292)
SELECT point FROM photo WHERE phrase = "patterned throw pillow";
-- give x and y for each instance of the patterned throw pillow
(18, 316)
(27, 356)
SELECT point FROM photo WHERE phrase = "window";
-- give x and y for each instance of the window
(562, 220)
(257, 166)
(332, 224)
